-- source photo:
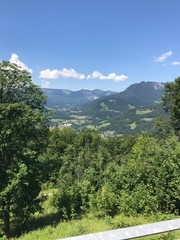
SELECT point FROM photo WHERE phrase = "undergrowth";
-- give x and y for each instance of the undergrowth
(48, 225)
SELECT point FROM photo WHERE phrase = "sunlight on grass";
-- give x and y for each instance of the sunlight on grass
(90, 225)
(141, 112)
(91, 127)
(47, 205)
(105, 124)
(147, 119)
(133, 125)
(79, 117)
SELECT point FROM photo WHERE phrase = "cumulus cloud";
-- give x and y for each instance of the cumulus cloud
(163, 57)
(64, 73)
(176, 63)
(71, 73)
(15, 59)
(111, 76)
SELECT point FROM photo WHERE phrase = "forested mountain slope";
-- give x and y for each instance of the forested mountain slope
(130, 111)
(141, 94)
(134, 109)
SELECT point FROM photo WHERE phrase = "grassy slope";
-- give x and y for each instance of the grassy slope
(49, 226)
(86, 225)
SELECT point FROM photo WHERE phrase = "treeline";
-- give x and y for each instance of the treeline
(107, 176)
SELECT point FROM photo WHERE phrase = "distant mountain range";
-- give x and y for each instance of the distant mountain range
(64, 98)
(130, 111)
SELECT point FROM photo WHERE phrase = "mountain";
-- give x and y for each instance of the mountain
(138, 94)
(144, 92)
(132, 110)
(127, 112)
(63, 98)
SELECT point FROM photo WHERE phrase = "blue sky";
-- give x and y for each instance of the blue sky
(92, 44)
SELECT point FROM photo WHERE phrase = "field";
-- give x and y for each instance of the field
(142, 112)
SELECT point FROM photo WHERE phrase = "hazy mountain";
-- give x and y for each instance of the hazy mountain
(63, 98)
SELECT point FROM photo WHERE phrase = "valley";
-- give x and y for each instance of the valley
(129, 112)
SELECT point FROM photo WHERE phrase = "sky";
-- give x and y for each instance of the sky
(92, 44)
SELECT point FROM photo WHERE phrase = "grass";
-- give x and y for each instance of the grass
(90, 127)
(49, 226)
(142, 112)
(132, 125)
(78, 117)
(66, 229)
(147, 119)
(105, 124)
(87, 225)
(55, 120)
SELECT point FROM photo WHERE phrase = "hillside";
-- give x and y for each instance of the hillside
(130, 111)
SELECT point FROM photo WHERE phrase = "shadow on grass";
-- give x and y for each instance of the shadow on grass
(37, 223)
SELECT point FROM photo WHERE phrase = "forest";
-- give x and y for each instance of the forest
(130, 175)
(92, 174)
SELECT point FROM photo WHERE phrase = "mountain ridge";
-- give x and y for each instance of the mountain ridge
(127, 112)
(64, 98)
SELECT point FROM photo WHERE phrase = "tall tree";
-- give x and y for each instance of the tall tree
(23, 134)
(171, 103)
(59, 140)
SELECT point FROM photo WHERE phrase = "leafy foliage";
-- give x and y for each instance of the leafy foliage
(23, 136)
(171, 103)
(129, 175)
(93, 175)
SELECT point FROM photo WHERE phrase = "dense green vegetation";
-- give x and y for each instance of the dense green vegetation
(106, 176)
(171, 103)
(115, 121)
(108, 182)
(62, 229)
(49, 176)
(23, 137)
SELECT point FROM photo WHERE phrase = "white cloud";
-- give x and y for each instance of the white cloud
(45, 84)
(15, 59)
(95, 74)
(111, 76)
(71, 73)
(64, 73)
(163, 57)
(176, 63)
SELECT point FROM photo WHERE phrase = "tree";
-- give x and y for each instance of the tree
(59, 140)
(171, 103)
(23, 134)
(150, 176)
(81, 173)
